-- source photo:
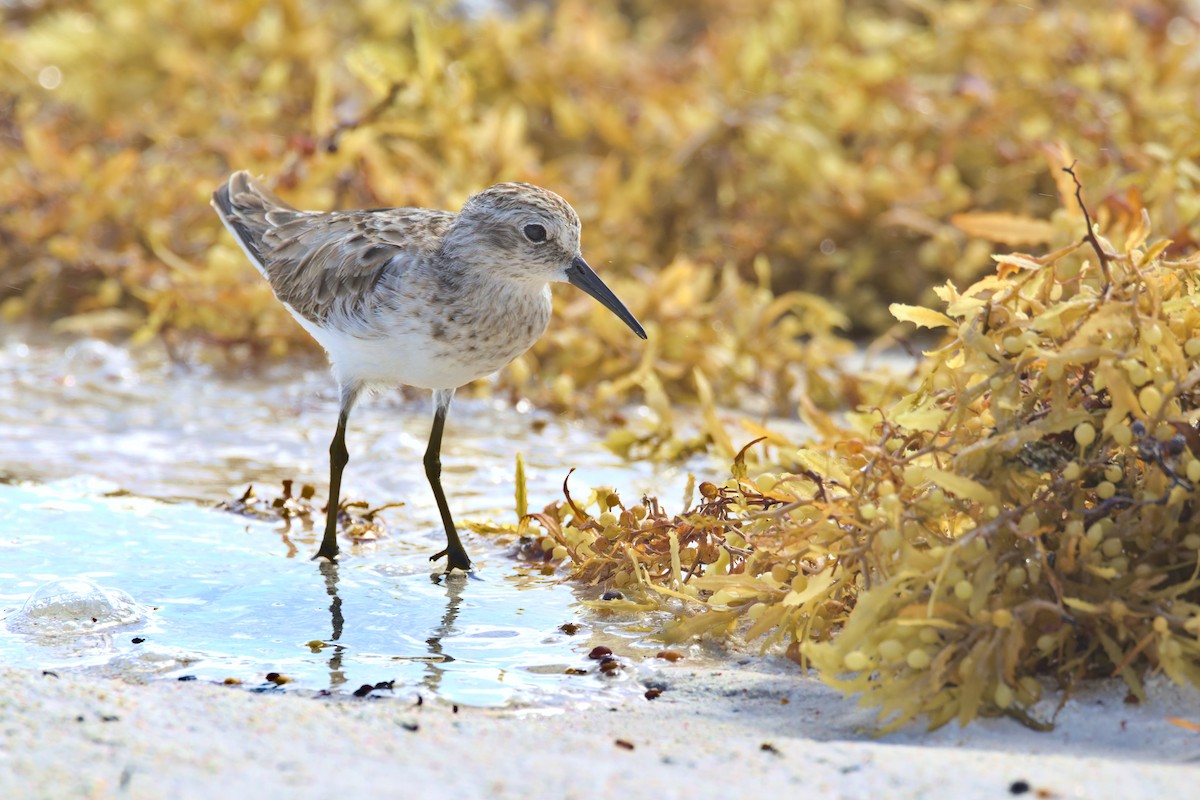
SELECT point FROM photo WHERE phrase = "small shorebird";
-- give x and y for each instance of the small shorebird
(415, 296)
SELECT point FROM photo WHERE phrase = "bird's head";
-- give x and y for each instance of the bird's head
(528, 235)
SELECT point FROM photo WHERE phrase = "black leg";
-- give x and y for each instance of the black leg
(338, 457)
(456, 555)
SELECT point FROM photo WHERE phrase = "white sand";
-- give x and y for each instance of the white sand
(702, 738)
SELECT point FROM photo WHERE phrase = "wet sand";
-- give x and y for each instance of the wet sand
(721, 734)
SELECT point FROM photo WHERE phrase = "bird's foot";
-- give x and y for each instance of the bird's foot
(456, 559)
(328, 553)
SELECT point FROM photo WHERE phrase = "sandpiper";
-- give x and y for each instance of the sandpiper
(415, 296)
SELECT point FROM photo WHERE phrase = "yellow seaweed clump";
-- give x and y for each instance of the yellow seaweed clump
(1026, 512)
(713, 336)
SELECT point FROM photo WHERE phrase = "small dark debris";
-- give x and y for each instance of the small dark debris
(653, 693)
(364, 690)
(420, 700)
(95, 620)
(569, 628)
(109, 718)
(79, 718)
(186, 678)
(623, 744)
(600, 652)
(137, 639)
(412, 727)
(612, 594)
(386, 686)
(50, 673)
(1018, 787)
(454, 708)
(767, 747)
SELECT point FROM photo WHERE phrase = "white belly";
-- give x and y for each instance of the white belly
(400, 357)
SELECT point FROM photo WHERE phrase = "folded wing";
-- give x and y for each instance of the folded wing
(322, 262)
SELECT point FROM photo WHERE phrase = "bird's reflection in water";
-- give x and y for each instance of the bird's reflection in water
(434, 658)
(329, 570)
(454, 583)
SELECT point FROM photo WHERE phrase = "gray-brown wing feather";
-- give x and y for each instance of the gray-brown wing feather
(319, 262)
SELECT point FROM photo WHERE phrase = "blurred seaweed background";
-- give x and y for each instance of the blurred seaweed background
(759, 181)
(721, 154)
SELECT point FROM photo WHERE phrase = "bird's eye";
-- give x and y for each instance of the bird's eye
(535, 233)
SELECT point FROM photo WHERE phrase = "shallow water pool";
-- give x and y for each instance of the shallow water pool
(113, 464)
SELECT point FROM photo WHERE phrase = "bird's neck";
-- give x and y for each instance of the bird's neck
(504, 294)
(484, 285)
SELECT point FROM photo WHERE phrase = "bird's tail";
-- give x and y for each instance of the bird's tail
(249, 210)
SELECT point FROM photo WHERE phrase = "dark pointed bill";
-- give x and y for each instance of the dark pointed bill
(581, 275)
